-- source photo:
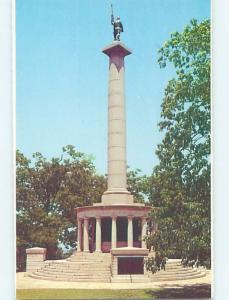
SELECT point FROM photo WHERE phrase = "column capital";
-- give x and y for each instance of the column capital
(117, 49)
(114, 217)
(130, 217)
(98, 218)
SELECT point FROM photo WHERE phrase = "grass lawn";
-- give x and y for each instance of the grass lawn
(194, 291)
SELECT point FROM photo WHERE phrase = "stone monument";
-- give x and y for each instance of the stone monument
(110, 234)
(118, 224)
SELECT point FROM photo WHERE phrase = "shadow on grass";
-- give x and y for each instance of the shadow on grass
(199, 291)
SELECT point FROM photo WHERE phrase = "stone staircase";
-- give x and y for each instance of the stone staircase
(81, 267)
(175, 271)
(96, 267)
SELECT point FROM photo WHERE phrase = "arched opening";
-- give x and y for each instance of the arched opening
(122, 224)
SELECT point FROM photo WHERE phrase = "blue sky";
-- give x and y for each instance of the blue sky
(62, 75)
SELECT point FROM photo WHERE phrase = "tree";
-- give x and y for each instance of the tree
(180, 184)
(48, 193)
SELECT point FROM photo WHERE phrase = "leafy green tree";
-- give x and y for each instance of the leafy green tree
(180, 185)
(47, 194)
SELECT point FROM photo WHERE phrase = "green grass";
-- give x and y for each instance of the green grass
(82, 294)
(188, 292)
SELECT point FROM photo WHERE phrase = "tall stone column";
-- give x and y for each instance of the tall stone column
(85, 236)
(114, 233)
(116, 192)
(130, 232)
(79, 235)
(98, 234)
(144, 226)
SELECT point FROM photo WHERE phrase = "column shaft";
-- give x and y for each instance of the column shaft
(117, 187)
(116, 130)
(130, 232)
(114, 233)
(98, 235)
(85, 236)
(79, 235)
(144, 225)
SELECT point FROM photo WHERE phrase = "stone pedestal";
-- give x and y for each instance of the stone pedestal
(116, 192)
(35, 258)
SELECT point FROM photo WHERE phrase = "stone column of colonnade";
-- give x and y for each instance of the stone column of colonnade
(79, 235)
(116, 191)
(143, 233)
(113, 233)
(130, 232)
(85, 235)
(98, 234)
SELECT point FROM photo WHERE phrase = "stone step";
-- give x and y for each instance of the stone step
(79, 260)
(175, 275)
(74, 270)
(91, 256)
(82, 272)
(180, 271)
(70, 279)
(78, 266)
(168, 267)
(56, 271)
(173, 278)
(74, 275)
(166, 274)
(88, 259)
(40, 272)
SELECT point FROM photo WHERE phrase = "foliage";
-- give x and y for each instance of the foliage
(48, 193)
(180, 185)
(138, 185)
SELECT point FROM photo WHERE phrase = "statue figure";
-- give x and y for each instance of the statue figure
(118, 28)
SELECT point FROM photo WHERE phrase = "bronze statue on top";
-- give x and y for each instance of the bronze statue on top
(118, 28)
